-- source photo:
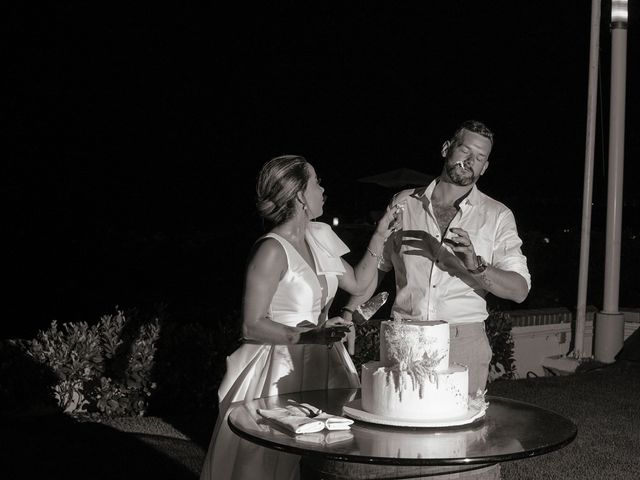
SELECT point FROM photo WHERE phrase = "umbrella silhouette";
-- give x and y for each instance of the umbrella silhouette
(398, 178)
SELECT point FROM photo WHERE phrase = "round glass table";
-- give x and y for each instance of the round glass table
(509, 430)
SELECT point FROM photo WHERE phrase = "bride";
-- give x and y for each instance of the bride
(291, 280)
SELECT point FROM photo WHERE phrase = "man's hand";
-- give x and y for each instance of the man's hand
(463, 247)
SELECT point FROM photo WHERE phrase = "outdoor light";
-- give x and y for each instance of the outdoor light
(619, 13)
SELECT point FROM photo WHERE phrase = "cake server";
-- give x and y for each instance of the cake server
(362, 315)
(365, 311)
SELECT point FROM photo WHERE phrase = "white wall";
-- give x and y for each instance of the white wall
(533, 343)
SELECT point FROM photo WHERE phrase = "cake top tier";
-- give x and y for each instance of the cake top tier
(407, 342)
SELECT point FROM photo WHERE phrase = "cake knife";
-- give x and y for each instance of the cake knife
(362, 314)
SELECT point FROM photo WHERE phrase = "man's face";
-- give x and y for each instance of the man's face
(466, 161)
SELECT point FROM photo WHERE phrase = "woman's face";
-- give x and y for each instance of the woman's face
(314, 194)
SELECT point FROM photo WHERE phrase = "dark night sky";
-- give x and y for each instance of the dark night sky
(157, 119)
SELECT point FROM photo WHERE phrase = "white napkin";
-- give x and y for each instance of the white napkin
(297, 418)
(293, 423)
(331, 422)
(335, 422)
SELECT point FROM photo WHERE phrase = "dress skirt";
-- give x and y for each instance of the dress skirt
(256, 371)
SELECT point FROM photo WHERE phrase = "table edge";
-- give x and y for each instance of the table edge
(413, 461)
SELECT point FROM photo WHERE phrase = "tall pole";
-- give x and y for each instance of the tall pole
(609, 333)
(587, 192)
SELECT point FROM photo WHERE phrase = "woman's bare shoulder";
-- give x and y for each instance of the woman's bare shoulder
(268, 250)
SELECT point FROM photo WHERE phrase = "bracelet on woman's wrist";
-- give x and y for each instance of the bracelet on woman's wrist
(374, 254)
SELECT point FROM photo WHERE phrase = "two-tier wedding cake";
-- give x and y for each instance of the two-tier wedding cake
(414, 378)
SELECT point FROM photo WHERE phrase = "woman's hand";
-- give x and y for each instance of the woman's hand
(391, 221)
(350, 336)
(326, 334)
(337, 322)
(336, 334)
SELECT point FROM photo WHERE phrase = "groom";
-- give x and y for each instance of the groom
(456, 245)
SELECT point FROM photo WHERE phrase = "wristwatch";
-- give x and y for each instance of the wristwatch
(482, 266)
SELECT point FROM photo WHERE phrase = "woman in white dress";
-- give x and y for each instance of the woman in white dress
(291, 279)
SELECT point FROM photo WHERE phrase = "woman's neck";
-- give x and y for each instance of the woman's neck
(293, 230)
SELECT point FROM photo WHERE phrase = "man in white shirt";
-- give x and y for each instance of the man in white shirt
(456, 245)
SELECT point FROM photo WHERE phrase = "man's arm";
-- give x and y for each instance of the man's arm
(502, 283)
(506, 275)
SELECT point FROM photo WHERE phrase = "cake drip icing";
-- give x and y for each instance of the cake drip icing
(403, 346)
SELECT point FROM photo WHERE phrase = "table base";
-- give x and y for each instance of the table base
(318, 469)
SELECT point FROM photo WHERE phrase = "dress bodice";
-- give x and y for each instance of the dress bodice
(299, 295)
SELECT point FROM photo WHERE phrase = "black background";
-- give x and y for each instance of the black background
(132, 134)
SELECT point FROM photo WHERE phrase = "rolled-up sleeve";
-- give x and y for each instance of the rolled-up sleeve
(507, 251)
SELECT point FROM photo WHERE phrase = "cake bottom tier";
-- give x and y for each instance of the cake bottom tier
(395, 394)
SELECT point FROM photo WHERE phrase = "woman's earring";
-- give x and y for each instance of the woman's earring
(304, 207)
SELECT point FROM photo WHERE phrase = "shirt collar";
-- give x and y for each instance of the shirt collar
(474, 197)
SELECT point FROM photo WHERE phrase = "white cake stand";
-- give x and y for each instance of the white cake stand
(354, 410)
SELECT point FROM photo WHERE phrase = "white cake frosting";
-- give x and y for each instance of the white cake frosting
(413, 379)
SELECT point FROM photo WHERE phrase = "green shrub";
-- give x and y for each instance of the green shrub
(367, 345)
(498, 327)
(102, 369)
(123, 365)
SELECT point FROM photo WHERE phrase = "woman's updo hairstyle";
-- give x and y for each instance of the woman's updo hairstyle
(279, 182)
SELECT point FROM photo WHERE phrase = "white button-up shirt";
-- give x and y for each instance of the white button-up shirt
(430, 279)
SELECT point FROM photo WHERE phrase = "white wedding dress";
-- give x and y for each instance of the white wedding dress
(256, 370)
